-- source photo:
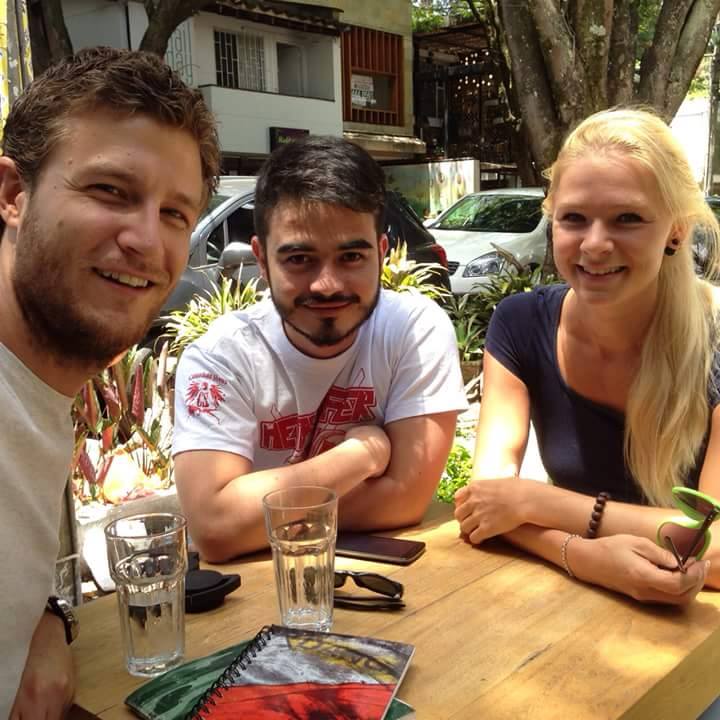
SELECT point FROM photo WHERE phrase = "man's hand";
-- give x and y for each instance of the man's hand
(637, 567)
(48, 681)
(376, 444)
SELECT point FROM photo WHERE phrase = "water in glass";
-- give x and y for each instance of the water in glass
(304, 556)
(152, 615)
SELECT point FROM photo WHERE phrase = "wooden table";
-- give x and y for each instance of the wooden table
(498, 634)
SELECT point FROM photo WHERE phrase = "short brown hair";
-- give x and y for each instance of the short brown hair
(318, 169)
(122, 80)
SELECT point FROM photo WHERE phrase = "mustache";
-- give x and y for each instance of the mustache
(318, 299)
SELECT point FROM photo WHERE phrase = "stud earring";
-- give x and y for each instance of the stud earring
(672, 250)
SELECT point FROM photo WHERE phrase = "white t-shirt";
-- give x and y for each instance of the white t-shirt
(244, 388)
(36, 446)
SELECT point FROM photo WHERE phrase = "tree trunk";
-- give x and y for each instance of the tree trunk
(690, 50)
(57, 34)
(49, 38)
(163, 17)
(535, 97)
(621, 60)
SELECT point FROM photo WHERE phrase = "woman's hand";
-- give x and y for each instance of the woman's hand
(485, 508)
(636, 567)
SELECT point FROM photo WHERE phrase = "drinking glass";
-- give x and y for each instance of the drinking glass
(301, 525)
(147, 555)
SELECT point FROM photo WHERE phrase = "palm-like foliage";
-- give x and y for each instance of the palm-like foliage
(183, 327)
(125, 408)
(401, 274)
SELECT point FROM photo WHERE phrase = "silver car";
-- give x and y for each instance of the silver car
(510, 218)
(220, 243)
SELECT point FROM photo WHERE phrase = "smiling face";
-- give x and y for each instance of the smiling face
(103, 236)
(610, 230)
(322, 263)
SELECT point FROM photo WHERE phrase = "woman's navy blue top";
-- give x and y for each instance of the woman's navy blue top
(580, 441)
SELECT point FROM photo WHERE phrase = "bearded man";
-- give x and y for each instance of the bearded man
(108, 161)
(330, 381)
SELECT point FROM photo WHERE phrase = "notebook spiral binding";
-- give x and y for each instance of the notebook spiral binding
(237, 666)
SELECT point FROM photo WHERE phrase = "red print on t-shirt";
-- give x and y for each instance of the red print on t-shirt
(310, 434)
(204, 395)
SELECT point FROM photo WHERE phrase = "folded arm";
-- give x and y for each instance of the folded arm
(420, 448)
(222, 496)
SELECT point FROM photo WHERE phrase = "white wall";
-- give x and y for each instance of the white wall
(96, 22)
(138, 22)
(691, 126)
(245, 117)
(321, 53)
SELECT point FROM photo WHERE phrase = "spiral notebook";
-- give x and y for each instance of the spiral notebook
(284, 674)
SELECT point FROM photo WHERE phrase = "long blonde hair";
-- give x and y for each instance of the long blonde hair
(667, 413)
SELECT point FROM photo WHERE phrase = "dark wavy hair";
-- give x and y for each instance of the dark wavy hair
(105, 78)
(318, 169)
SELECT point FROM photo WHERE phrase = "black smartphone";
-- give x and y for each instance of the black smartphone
(381, 549)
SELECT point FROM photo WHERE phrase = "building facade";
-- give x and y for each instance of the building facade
(272, 70)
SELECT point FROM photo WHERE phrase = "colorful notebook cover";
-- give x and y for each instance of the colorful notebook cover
(338, 667)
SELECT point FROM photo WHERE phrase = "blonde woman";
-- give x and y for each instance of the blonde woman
(616, 369)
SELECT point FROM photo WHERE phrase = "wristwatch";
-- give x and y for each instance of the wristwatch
(62, 609)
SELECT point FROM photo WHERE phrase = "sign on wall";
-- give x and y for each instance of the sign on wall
(283, 136)
(362, 90)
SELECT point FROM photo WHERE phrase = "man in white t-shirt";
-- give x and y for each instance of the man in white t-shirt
(108, 159)
(331, 382)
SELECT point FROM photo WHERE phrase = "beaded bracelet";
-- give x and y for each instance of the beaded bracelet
(596, 514)
(563, 553)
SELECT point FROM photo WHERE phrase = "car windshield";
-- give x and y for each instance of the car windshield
(493, 213)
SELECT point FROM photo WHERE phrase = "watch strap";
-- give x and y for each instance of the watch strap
(61, 609)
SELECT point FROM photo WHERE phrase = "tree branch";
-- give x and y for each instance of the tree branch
(163, 18)
(690, 50)
(592, 25)
(532, 86)
(559, 58)
(657, 59)
(621, 62)
(58, 38)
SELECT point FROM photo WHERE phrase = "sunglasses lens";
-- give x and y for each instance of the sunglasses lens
(340, 579)
(379, 584)
(700, 505)
(686, 540)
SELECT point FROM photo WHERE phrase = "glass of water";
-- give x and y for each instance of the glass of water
(301, 525)
(147, 555)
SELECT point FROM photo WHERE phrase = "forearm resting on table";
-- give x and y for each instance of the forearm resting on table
(383, 503)
(581, 553)
(553, 507)
(227, 520)
(420, 447)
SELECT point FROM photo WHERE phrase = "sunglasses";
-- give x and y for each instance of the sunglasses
(689, 536)
(388, 593)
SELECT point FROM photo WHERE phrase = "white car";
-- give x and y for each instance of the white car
(510, 218)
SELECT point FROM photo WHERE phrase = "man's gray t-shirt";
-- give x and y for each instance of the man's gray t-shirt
(36, 442)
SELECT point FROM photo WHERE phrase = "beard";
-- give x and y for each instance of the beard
(58, 321)
(328, 334)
